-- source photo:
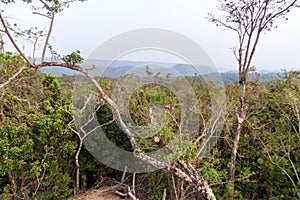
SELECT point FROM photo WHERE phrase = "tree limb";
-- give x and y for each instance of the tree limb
(48, 36)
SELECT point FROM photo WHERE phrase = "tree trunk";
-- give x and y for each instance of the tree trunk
(77, 184)
(241, 116)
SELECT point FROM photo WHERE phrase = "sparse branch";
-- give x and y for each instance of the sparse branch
(281, 168)
(219, 22)
(13, 41)
(280, 13)
(259, 31)
(46, 5)
(37, 13)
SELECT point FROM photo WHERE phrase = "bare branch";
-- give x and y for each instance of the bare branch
(131, 194)
(12, 77)
(48, 36)
(219, 22)
(36, 13)
(14, 42)
(46, 5)
(124, 174)
(282, 169)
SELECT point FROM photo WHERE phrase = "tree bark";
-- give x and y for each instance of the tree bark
(77, 184)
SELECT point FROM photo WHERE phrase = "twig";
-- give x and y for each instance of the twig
(164, 194)
(124, 174)
(133, 183)
(36, 13)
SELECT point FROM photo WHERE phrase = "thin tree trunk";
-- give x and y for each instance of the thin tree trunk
(241, 116)
(77, 184)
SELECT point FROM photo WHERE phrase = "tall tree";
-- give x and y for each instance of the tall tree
(248, 19)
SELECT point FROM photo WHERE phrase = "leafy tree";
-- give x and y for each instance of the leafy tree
(36, 144)
(277, 126)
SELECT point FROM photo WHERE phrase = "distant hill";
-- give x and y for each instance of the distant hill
(231, 77)
(119, 68)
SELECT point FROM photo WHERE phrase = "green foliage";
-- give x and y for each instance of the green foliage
(37, 147)
(74, 58)
(268, 152)
(155, 95)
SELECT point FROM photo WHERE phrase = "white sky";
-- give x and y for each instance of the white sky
(86, 25)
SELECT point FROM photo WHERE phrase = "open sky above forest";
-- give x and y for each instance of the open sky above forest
(86, 25)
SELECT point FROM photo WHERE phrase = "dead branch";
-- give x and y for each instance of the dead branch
(2, 85)
(124, 174)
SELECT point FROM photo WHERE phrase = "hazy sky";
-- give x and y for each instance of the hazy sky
(86, 25)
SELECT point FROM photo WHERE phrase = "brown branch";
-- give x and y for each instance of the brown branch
(46, 5)
(48, 36)
(259, 31)
(50, 28)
